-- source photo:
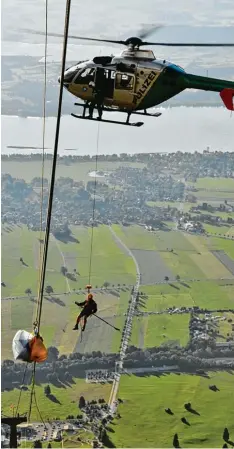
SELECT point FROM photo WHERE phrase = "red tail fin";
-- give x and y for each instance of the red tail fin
(227, 96)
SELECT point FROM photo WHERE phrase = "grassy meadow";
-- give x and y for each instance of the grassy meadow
(214, 183)
(144, 423)
(109, 263)
(156, 330)
(79, 171)
(68, 397)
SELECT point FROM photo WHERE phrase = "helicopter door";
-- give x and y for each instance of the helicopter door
(124, 89)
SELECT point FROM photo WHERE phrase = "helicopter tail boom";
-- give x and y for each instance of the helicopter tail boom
(206, 83)
(224, 87)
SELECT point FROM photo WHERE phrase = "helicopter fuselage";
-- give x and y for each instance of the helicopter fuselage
(135, 80)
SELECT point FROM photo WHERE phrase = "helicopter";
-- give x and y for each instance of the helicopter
(135, 80)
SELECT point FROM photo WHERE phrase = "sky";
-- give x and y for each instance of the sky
(121, 19)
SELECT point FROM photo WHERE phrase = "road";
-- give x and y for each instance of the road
(128, 323)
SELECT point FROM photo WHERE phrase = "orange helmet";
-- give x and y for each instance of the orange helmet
(90, 296)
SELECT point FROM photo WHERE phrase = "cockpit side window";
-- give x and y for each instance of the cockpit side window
(124, 81)
(85, 76)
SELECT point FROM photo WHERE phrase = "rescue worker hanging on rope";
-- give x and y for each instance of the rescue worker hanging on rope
(89, 308)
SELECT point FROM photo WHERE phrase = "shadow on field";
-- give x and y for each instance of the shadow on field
(168, 373)
(66, 238)
(55, 300)
(184, 284)
(115, 293)
(185, 421)
(155, 374)
(174, 286)
(53, 398)
(107, 441)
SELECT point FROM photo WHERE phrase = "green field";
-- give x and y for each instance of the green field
(109, 263)
(207, 294)
(82, 438)
(136, 237)
(219, 230)
(223, 244)
(144, 423)
(145, 398)
(77, 171)
(156, 330)
(202, 195)
(191, 257)
(69, 398)
(224, 326)
(214, 183)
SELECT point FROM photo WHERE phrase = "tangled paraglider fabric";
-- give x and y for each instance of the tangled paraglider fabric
(28, 348)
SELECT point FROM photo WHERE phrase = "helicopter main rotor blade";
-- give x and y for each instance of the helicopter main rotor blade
(135, 41)
(170, 44)
(70, 36)
(148, 29)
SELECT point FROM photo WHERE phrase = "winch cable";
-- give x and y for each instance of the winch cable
(51, 195)
(94, 203)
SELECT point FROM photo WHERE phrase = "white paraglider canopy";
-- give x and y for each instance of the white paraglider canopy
(20, 345)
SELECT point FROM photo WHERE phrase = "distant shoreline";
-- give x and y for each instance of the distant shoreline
(196, 105)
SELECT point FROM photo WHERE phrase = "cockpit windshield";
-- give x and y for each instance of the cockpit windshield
(85, 76)
(70, 74)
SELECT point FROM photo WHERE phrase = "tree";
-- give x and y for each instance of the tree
(166, 278)
(49, 289)
(177, 277)
(82, 402)
(49, 445)
(226, 434)
(28, 291)
(106, 284)
(37, 443)
(53, 354)
(47, 390)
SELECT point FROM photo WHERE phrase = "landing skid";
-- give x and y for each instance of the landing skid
(137, 124)
(156, 114)
(106, 109)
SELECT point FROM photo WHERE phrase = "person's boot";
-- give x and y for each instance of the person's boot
(75, 328)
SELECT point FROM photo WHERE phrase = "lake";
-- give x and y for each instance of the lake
(180, 128)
